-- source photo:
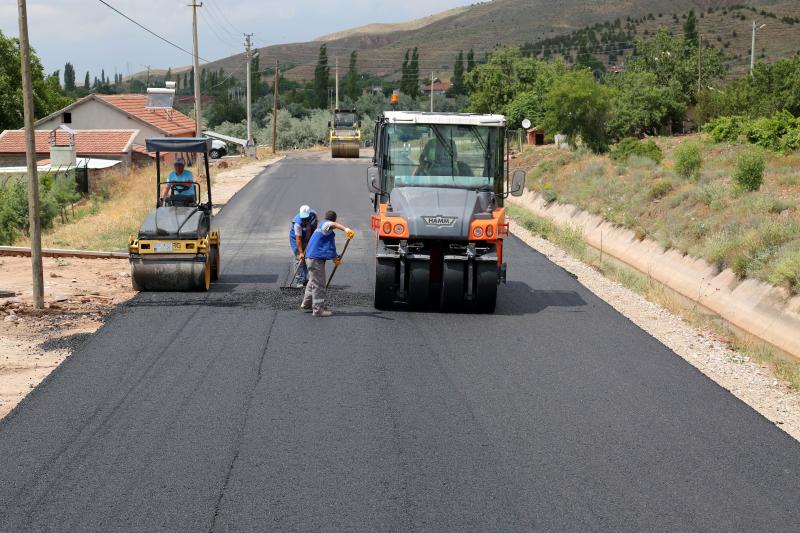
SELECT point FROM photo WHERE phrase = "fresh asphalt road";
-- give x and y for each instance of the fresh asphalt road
(234, 411)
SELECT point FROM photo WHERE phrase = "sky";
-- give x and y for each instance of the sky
(93, 37)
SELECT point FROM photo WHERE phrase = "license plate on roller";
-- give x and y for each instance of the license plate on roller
(162, 247)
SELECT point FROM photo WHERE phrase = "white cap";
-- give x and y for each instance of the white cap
(305, 211)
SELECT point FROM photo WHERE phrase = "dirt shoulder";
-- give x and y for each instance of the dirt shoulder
(79, 293)
(753, 383)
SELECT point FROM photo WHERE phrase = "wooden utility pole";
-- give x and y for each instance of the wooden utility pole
(197, 115)
(30, 156)
(337, 85)
(250, 149)
(431, 91)
(275, 108)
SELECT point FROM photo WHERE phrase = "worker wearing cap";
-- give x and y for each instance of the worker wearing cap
(321, 248)
(181, 176)
(303, 225)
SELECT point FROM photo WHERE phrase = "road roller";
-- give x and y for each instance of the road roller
(344, 134)
(177, 248)
(438, 184)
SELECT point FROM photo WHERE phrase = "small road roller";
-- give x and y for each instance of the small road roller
(344, 134)
(438, 182)
(177, 249)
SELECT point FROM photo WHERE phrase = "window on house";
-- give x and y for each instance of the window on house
(67, 118)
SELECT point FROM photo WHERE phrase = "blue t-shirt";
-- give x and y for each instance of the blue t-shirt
(186, 176)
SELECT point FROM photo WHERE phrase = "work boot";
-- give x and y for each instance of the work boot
(305, 308)
(324, 312)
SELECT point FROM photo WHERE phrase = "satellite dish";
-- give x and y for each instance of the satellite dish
(526, 124)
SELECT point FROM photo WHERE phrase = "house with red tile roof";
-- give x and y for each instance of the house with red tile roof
(116, 145)
(120, 112)
(439, 87)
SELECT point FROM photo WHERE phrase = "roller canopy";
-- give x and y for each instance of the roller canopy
(179, 144)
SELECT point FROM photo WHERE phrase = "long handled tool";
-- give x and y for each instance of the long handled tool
(347, 242)
(290, 286)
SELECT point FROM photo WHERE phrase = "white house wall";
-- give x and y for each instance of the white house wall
(93, 115)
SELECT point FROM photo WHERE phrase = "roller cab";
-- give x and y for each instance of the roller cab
(438, 183)
(177, 248)
(344, 134)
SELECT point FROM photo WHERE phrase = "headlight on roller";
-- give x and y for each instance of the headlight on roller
(399, 229)
(489, 231)
(477, 232)
(387, 228)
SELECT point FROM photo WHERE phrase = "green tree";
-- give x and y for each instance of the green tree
(404, 74)
(640, 105)
(47, 92)
(585, 60)
(69, 78)
(494, 84)
(530, 101)
(578, 107)
(86, 83)
(351, 80)
(168, 76)
(690, 34)
(670, 59)
(413, 74)
(470, 60)
(322, 74)
(458, 75)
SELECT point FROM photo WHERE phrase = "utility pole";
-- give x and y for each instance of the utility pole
(753, 46)
(431, 91)
(249, 56)
(699, 63)
(337, 84)
(197, 117)
(30, 156)
(275, 109)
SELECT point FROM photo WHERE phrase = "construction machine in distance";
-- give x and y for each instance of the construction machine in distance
(344, 134)
(177, 249)
(438, 182)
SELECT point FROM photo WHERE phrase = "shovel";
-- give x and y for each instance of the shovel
(347, 242)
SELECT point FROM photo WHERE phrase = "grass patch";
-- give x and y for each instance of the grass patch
(104, 223)
(708, 216)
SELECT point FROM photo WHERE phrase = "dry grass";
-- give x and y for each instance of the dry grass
(104, 222)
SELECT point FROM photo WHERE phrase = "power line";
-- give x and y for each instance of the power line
(148, 30)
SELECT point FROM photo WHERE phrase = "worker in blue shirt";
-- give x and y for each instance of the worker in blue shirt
(184, 192)
(321, 248)
(303, 225)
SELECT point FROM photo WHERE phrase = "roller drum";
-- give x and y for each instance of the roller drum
(173, 275)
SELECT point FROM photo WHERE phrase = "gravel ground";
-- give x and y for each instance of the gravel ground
(748, 380)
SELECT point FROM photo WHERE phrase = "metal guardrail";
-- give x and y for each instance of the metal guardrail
(56, 252)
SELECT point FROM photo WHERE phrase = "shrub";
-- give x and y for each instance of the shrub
(629, 146)
(749, 173)
(659, 189)
(726, 129)
(787, 272)
(688, 160)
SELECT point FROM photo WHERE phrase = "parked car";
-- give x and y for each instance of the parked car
(218, 149)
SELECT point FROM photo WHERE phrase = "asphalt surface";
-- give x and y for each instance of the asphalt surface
(234, 411)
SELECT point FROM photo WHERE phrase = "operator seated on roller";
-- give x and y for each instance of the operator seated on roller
(303, 225)
(321, 248)
(179, 189)
(435, 159)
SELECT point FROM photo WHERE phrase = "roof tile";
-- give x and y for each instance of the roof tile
(172, 122)
(86, 141)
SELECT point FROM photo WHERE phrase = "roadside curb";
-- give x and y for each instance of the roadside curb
(56, 252)
(752, 307)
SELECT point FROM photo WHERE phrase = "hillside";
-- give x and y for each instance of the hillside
(490, 25)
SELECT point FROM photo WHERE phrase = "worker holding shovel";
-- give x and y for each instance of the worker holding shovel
(321, 248)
